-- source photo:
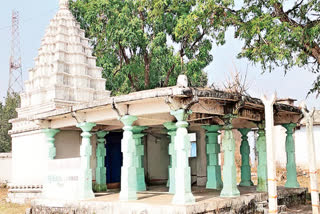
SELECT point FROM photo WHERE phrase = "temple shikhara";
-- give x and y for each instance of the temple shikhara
(158, 148)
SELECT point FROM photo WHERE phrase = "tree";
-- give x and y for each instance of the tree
(7, 112)
(275, 36)
(143, 44)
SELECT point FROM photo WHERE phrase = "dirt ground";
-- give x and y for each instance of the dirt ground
(302, 176)
(9, 208)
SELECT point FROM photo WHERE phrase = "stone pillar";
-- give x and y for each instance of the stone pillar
(272, 180)
(172, 128)
(245, 159)
(213, 149)
(182, 147)
(101, 171)
(85, 179)
(137, 135)
(262, 172)
(292, 181)
(309, 118)
(50, 133)
(128, 169)
(229, 166)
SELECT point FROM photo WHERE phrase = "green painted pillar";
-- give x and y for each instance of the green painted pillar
(245, 159)
(182, 148)
(292, 181)
(85, 179)
(262, 159)
(172, 129)
(50, 133)
(101, 171)
(213, 149)
(230, 188)
(137, 135)
(128, 169)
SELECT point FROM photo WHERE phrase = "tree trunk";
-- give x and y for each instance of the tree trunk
(168, 75)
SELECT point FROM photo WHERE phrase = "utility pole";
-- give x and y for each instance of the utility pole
(15, 67)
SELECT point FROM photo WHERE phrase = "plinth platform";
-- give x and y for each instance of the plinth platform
(158, 201)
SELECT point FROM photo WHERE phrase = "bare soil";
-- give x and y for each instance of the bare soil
(10, 208)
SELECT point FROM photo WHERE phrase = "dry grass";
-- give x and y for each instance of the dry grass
(10, 208)
(302, 176)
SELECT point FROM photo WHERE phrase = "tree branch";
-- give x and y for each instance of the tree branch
(127, 61)
(168, 75)
(312, 49)
(198, 39)
(294, 7)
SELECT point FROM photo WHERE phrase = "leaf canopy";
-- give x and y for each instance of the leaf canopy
(143, 44)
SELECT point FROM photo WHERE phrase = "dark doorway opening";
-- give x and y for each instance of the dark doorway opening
(113, 159)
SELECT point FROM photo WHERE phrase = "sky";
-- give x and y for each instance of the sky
(36, 14)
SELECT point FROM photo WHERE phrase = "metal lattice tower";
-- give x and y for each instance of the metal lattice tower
(15, 67)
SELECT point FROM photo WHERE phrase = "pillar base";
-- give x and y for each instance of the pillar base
(128, 196)
(230, 193)
(128, 186)
(86, 186)
(141, 184)
(171, 180)
(230, 190)
(245, 176)
(262, 185)
(186, 198)
(289, 184)
(215, 173)
(100, 187)
(246, 183)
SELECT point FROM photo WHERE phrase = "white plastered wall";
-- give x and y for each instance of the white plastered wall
(68, 144)
(29, 158)
(301, 146)
(280, 145)
(5, 167)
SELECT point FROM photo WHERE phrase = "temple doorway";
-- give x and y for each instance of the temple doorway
(113, 159)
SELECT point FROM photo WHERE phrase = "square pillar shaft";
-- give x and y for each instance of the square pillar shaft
(128, 169)
(85, 179)
(309, 118)
(230, 188)
(137, 135)
(214, 180)
(183, 194)
(172, 128)
(262, 160)
(101, 171)
(271, 169)
(245, 159)
(292, 181)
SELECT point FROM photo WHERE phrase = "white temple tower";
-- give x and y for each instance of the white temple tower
(65, 72)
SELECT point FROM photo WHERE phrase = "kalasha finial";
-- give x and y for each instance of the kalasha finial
(63, 3)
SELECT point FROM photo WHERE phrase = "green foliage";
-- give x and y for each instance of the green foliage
(7, 112)
(275, 36)
(143, 44)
